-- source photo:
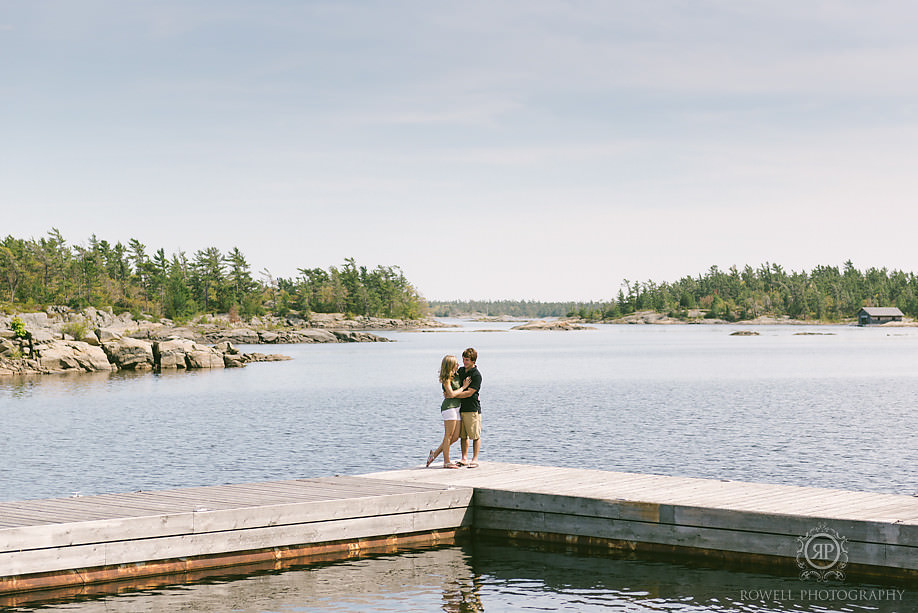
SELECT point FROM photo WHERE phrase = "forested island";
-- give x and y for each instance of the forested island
(106, 307)
(150, 284)
(826, 294)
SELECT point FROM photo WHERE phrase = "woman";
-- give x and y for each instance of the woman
(449, 409)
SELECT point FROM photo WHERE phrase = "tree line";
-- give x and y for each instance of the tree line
(508, 308)
(132, 277)
(827, 293)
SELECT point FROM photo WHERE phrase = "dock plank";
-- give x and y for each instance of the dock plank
(128, 530)
(660, 489)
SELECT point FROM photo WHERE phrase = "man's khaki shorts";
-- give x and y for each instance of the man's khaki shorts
(470, 425)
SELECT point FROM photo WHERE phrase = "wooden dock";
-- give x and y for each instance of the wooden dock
(740, 524)
(73, 544)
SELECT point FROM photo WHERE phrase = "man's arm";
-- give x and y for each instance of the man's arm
(474, 384)
(466, 393)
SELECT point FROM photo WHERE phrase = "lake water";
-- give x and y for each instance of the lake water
(498, 579)
(831, 408)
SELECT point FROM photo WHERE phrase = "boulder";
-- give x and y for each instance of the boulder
(129, 353)
(57, 356)
(107, 335)
(72, 355)
(89, 337)
(312, 336)
(204, 357)
(261, 357)
(226, 347)
(235, 335)
(233, 360)
(42, 335)
(268, 337)
(327, 320)
(558, 324)
(90, 357)
(35, 320)
(184, 353)
(171, 353)
(350, 336)
(99, 318)
(8, 347)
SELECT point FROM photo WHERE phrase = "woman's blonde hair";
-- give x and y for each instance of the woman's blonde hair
(447, 367)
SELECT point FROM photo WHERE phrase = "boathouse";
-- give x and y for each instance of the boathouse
(878, 315)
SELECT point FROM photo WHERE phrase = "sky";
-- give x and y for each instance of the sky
(519, 150)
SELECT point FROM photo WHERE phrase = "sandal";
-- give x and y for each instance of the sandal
(431, 457)
(450, 465)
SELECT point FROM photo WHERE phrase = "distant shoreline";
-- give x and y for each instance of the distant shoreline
(655, 318)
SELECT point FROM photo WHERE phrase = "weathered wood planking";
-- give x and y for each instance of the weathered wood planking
(181, 529)
(41, 536)
(670, 513)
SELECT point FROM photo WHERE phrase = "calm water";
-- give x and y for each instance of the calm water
(830, 410)
(497, 579)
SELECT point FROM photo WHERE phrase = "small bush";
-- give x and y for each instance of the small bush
(76, 329)
(18, 326)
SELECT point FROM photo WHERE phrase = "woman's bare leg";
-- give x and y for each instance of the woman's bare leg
(450, 429)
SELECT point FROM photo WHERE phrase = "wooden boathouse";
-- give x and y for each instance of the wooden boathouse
(871, 316)
(76, 546)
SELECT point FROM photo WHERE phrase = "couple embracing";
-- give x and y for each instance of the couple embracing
(461, 409)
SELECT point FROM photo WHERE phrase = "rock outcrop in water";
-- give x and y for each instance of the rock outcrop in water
(59, 340)
(552, 324)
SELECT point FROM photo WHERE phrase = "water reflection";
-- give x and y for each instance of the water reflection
(495, 578)
(521, 578)
(71, 383)
(428, 580)
(463, 594)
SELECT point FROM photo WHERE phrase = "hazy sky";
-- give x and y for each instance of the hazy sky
(498, 149)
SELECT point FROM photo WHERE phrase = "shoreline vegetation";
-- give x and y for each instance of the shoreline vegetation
(150, 285)
(654, 318)
(767, 294)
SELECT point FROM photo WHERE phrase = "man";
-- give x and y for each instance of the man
(470, 409)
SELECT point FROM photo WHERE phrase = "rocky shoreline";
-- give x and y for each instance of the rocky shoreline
(60, 340)
(556, 324)
(695, 318)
